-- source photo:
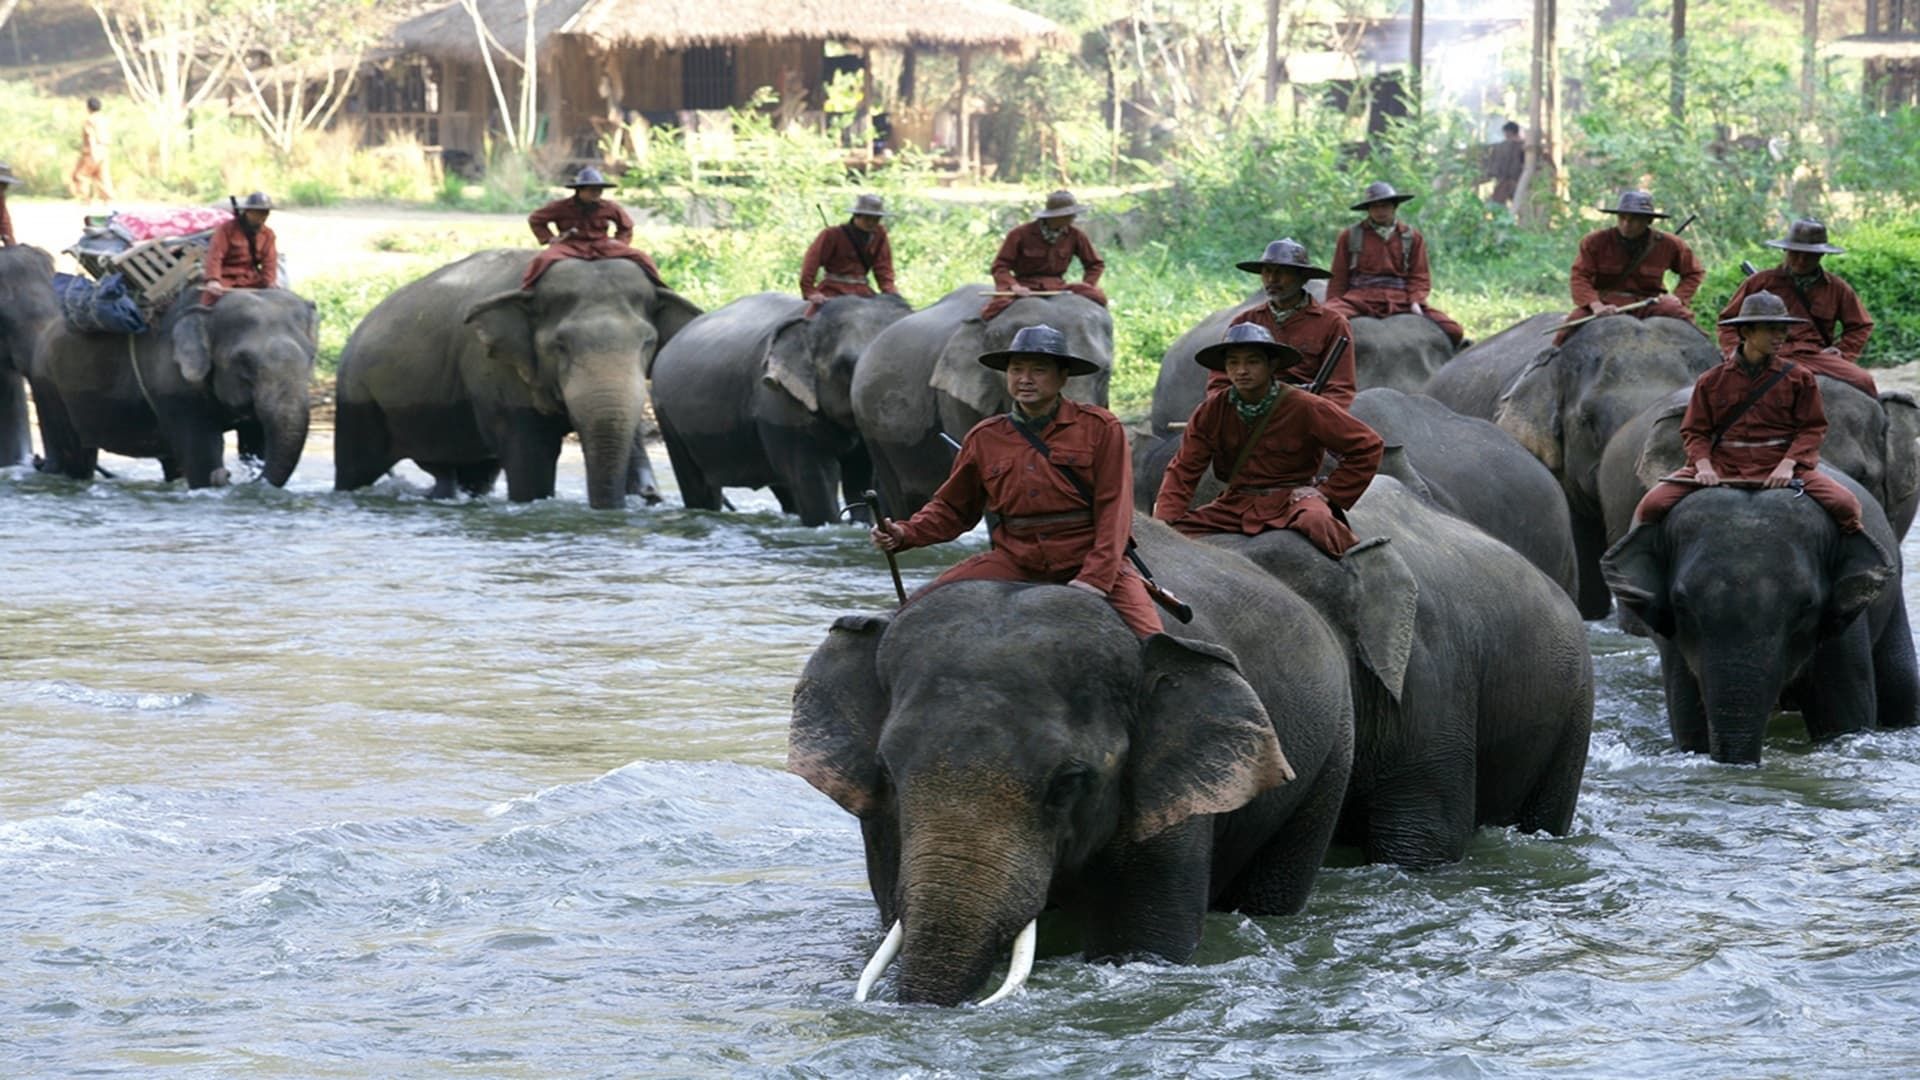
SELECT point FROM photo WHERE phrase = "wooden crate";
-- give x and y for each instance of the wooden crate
(158, 269)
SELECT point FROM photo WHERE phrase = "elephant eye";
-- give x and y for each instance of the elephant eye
(1067, 785)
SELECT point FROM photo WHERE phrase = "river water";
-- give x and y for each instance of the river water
(303, 784)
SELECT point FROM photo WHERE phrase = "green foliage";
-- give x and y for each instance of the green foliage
(344, 301)
(312, 191)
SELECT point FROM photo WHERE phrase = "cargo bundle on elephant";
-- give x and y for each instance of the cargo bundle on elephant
(1013, 748)
(921, 377)
(755, 395)
(467, 374)
(1757, 599)
(31, 311)
(1472, 684)
(1564, 404)
(172, 393)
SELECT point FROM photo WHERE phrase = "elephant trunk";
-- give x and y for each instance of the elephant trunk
(607, 416)
(281, 407)
(964, 904)
(1739, 697)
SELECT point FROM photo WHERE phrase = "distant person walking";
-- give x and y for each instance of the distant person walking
(1506, 160)
(90, 174)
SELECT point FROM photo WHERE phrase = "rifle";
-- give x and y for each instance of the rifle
(1174, 606)
(1747, 267)
(1325, 373)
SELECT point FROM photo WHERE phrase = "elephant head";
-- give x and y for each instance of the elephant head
(252, 354)
(1746, 585)
(813, 359)
(582, 341)
(998, 740)
(980, 392)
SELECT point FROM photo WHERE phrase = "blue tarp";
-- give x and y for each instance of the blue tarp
(106, 308)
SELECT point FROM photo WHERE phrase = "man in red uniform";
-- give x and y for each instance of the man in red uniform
(1820, 300)
(583, 219)
(1629, 263)
(1380, 265)
(845, 254)
(1290, 316)
(7, 180)
(1035, 257)
(1049, 531)
(1775, 441)
(1265, 441)
(242, 253)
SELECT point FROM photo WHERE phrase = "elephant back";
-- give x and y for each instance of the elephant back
(708, 362)
(1473, 381)
(1182, 382)
(1400, 352)
(429, 311)
(893, 399)
(977, 391)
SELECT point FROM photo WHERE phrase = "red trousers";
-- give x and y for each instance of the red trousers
(1380, 303)
(1821, 488)
(997, 304)
(588, 249)
(1251, 514)
(1666, 305)
(1128, 596)
(1833, 366)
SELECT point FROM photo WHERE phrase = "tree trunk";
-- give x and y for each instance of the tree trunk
(1810, 34)
(1273, 51)
(1416, 48)
(1677, 76)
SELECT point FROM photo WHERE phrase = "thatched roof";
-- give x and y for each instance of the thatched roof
(680, 24)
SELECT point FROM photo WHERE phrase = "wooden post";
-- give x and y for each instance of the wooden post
(863, 120)
(1416, 46)
(1810, 36)
(1870, 75)
(907, 75)
(1556, 141)
(1536, 103)
(966, 139)
(1273, 51)
(1677, 73)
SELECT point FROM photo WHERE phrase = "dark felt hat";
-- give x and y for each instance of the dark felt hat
(588, 177)
(1380, 191)
(1040, 340)
(1762, 309)
(256, 201)
(1634, 202)
(1288, 252)
(1061, 204)
(1247, 336)
(1807, 234)
(868, 206)
(6, 175)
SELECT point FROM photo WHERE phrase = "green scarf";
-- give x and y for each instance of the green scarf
(1250, 413)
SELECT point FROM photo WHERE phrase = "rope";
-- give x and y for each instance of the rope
(133, 361)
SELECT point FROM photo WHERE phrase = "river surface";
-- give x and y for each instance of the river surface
(303, 784)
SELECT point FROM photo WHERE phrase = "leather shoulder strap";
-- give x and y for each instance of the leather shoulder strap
(1740, 410)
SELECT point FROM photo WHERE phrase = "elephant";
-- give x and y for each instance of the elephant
(921, 378)
(466, 373)
(1871, 441)
(1472, 681)
(1010, 747)
(1564, 404)
(175, 391)
(754, 395)
(31, 311)
(1400, 352)
(1473, 381)
(1479, 474)
(1755, 595)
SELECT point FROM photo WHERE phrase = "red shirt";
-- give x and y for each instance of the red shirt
(1396, 267)
(6, 220)
(231, 262)
(1026, 258)
(1302, 430)
(835, 253)
(1788, 421)
(999, 470)
(1831, 300)
(589, 221)
(1312, 329)
(1600, 270)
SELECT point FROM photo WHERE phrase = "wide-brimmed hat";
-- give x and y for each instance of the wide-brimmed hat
(588, 177)
(1247, 336)
(6, 175)
(1762, 309)
(869, 206)
(1040, 340)
(1061, 204)
(1634, 202)
(1806, 234)
(1380, 191)
(256, 201)
(1289, 253)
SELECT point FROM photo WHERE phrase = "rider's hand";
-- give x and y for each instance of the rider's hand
(1020, 290)
(1703, 471)
(1782, 474)
(888, 536)
(1303, 493)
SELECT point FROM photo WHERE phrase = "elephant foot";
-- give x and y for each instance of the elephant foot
(219, 477)
(651, 495)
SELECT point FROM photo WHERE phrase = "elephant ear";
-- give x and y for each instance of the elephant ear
(1861, 568)
(1204, 744)
(1385, 610)
(959, 374)
(1664, 450)
(670, 314)
(789, 363)
(1902, 452)
(838, 707)
(1529, 410)
(1635, 570)
(502, 325)
(193, 346)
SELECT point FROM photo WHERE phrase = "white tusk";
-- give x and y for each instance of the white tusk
(877, 966)
(1020, 966)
